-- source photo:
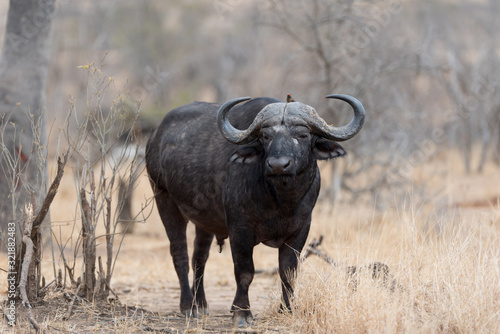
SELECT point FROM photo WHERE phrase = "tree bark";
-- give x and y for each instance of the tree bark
(27, 292)
(24, 64)
(89, 247)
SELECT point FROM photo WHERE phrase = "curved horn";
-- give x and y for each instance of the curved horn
(229, 132)
(344, 132)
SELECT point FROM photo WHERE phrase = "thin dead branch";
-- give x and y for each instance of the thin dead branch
(52, 192)
(311, 249)
(109, 241)
(69, 270)
(70, 308)
(379, 271)
(34, 271)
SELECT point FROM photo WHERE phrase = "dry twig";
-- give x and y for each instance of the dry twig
(109, 241)
(312, 248)
(378, 270)
(70, 308)
(51, 193)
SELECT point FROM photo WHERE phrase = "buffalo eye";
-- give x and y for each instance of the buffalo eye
(266, 137)
(303, 136)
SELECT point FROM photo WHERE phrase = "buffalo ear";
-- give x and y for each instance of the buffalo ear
(325, 149)
(246, 155)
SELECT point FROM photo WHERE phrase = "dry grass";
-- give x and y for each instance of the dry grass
(445, 262)
(448, 280)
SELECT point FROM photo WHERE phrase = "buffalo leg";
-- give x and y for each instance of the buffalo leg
(288, 261)
(202, 245)
(175, 225)
(242, 252)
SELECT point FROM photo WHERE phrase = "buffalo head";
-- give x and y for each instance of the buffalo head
(286, 136)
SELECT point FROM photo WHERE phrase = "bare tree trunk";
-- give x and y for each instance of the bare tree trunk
(125, 192)
(467, 145)
(28, 293)
(24, 64)
(485, 144)
(89, 246)
(496, 154)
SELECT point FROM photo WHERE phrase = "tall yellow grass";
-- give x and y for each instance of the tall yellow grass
(446, 273)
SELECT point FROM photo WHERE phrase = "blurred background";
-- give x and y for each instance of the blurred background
(426, 71)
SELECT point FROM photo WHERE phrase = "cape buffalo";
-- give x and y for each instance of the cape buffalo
(255, 185)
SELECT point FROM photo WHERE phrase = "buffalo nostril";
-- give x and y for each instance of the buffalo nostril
(284, 163)
(279, 165)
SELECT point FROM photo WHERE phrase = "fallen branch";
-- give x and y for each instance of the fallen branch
(47, 286)
(378, 270)
(312, 248)
(70, 308)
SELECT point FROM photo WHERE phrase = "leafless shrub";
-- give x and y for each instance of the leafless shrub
(98, 203)
(112, 132)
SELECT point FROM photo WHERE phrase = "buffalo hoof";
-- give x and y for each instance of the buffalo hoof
(201, 312)
(242, 319)
(196, 312)
(188, 313)
(284, 309)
